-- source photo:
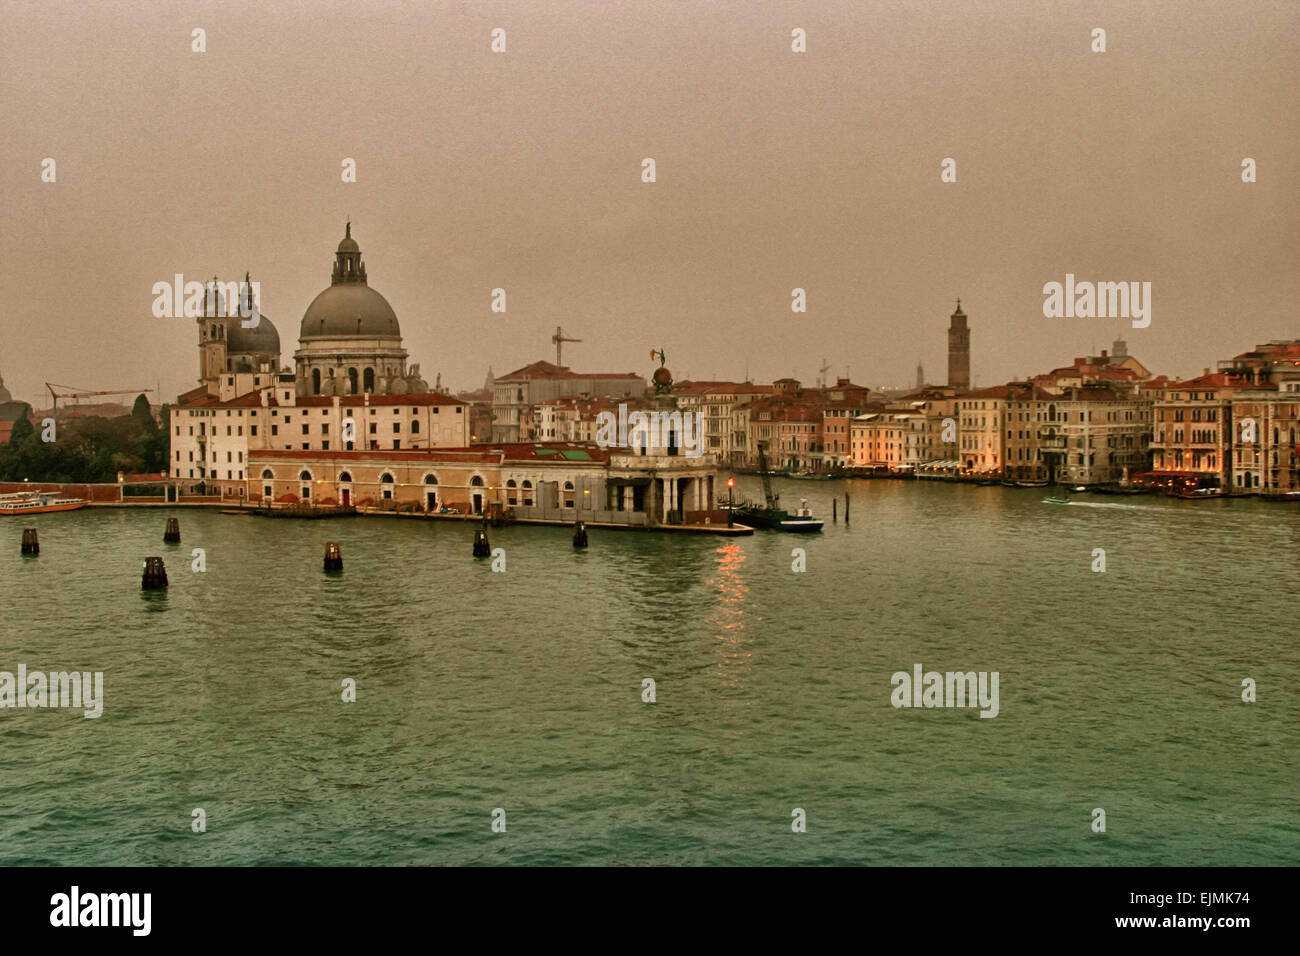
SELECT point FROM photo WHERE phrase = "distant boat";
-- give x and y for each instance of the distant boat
(1055, 501)
(1031, 484)
(38, 503)
(810, 476)
(1281, 496)
(1198, 494)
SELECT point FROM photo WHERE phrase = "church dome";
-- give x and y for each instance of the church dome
(264, 339)
(349, 308)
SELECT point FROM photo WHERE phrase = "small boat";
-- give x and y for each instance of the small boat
(810, 476)
(1055, 501)
(1281, 496)
(1079, 488)
(38, 503)
(801, 521)
(1031, 484)
(1198, 494)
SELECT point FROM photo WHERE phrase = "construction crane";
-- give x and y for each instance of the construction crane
(822, 373)
(559, 338)
(83, 393)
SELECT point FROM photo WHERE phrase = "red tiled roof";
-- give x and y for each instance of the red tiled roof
(549, 370)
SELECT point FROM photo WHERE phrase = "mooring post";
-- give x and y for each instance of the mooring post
(333, 556)
(835, 507)
(579, 534)
(154, 577)
(173, 533)
(31, 545)
(846, 507)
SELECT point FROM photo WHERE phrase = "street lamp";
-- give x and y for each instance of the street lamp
(731, 484)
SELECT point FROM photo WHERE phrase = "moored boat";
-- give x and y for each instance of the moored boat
(1055, 501)
(38, 503)
(802, 520)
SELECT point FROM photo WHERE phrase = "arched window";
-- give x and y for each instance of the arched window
(352, 379)
(386, 478)
(369, 379)
(528, 494)
(568, 494)
(415, 426)
(512, 492)
(304, 475)
(345, 476)
(315, 381)
(430, 479)
(476, 481)
(267, 474)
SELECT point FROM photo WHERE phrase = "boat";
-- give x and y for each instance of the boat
(1198, 494)
(1055, 501)
(1078, 488)
(1031, 484)
(38, 503)
(1281, 496)
(810, 476)
(770, 514)
(801, 521)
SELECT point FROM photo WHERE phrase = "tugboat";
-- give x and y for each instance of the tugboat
(773, 517)
(38, 503)
(802, 520)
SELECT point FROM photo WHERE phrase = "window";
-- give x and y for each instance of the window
(512, 492)
(252, 429)
(415, 427)
(386, 478)
(568, 494)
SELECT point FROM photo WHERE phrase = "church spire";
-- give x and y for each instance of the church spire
(348, 266)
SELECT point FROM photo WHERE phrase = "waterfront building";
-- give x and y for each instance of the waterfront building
(539, 382)
(1193, 429)
(1107, 434)
(717, 404)
(880, 440)
(980, 430)
(212, 440)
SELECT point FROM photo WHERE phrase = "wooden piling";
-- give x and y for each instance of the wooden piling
(835, 509)
(482, 549)
(154, 577)
(31, 545)
(579, 534)
(333, 556)
(846, 507)
(173, 533)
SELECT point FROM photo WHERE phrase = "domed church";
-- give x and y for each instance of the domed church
(350, 341)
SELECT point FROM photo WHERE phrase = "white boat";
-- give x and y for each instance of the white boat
(37, 503)
(801, 520)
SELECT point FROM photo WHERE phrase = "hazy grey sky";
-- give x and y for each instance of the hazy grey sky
(775, 170)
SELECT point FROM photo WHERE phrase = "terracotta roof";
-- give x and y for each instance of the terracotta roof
(550, 370)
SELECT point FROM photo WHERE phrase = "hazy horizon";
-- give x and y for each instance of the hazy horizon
(775, 170)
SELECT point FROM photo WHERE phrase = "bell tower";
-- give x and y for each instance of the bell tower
(958, 351)
(213, 328)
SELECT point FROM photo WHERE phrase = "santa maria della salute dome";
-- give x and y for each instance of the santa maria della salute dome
(349, 341)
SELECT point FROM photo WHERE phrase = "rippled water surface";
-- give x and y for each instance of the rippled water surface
(522, 690)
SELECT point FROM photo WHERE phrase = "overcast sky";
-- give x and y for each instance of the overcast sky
(775, 170)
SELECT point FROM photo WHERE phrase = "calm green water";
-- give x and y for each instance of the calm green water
(522, 690)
